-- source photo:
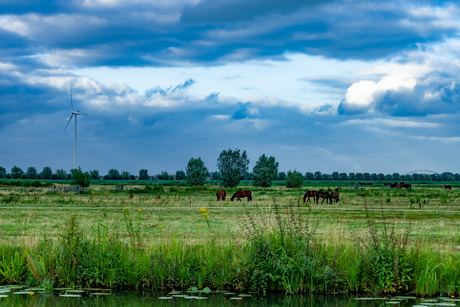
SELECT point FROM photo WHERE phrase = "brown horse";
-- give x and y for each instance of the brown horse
(309, 194)
(335, 196)
(323, 195)
(221, 194)
(447, 187)
(240, 194)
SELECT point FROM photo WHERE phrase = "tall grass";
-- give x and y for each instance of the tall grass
(275, 250)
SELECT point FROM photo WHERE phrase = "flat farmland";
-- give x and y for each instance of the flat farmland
(159, 212)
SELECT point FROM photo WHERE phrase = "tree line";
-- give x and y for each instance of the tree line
(232, 168)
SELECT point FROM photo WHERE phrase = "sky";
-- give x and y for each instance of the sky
(321, 85)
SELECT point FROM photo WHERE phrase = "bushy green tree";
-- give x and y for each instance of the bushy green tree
(294, 179)
(265, 171)
(125, 175)
(61, 174)
(46, 173)
(144, 174)
(80, 178)
(165, 176)
(232, 166)
(196, 172)
(31, 172)
(16, 172)
(2, 172)
(281, 176)
(95, 175)
(113, 174)
(180, 175)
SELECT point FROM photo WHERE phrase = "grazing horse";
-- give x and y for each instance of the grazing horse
(323, 195)
(335, 196)
(309, 194)
(406, 185)
(447, 187)
(221, 194)
(240, 194)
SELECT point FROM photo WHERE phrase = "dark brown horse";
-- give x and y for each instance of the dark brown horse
(447, 187)
(240, 194)
(309, 194)
(221, 194)
(335, 196)
(323, 195)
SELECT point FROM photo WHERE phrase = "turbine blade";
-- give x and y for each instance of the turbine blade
(68, 123)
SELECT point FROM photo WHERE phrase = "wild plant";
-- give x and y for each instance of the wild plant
(285, 255)
(134, 230)
(13, 268)
(385, 256)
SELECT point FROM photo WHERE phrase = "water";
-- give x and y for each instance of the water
(89, 298)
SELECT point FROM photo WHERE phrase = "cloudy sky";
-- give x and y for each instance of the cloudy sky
(321, 85)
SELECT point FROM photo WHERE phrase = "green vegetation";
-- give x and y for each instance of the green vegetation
(174, 236)
(294, 179)
(265, 171)
(232, 166)
(196, 172)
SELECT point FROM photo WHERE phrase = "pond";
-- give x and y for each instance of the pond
(104, 298)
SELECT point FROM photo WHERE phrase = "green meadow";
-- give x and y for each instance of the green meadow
(168, 236)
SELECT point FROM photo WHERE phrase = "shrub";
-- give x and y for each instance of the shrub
(294, 179)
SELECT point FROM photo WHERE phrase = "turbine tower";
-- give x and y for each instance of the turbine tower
(76, 113)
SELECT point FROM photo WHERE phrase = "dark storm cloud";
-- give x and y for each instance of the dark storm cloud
(139, 34)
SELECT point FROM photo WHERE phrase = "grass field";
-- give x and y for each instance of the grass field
(153, 216)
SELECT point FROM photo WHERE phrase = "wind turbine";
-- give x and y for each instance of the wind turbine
(76, 113)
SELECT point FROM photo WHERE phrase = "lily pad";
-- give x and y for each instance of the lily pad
(165, 298)
(228, 293)
(392, 302)
(445, 304)
(4, 295)
(175, 292)
(70, 295)
(75, 291)
(61, 289)
(245, 295)
(22, 292)
(236, 298)
(206, 290)
(100, 293)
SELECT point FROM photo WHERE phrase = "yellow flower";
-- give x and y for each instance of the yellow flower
(31, 293)
(127, 208)
(203, 210)
(160, 227)
(124, 210)
(198, 224)
(140, 210)
(205, 213)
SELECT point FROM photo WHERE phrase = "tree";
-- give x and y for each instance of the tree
(94, 174)
(144, 174)
(125, 175)
(180, 175)
(343, 176)
(113, 174)
(16, 172)
(165, 176)
(31, 172)
(61, 174)
(232, 166)
(265, 171)
(196, 172)
(335, 176)
(281, 176)
(294, 179)
(2, 172)
(80, 178)
(318, 175)
(309, 176)
(46, 173)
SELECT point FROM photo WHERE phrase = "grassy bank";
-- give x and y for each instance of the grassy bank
(161, 237)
